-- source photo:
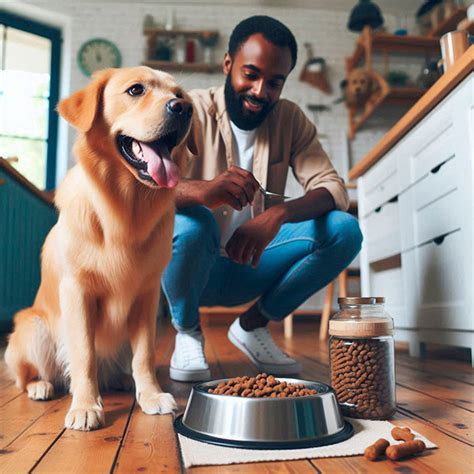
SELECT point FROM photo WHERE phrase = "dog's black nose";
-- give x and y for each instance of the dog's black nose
(179, 107)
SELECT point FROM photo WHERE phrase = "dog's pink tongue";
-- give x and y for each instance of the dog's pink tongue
(160, 166)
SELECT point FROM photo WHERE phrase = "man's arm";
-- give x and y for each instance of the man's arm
(313, 204)
(235, 187)
(311, 164)
(189, 193)
(250, 240)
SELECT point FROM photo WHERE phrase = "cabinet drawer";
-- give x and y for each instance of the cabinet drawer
(433, 144)
(388, 283)
(382, 232)
(440, 181)
(440, 276)
(380, 183)
(438, 217)
(439, 136)
(433, 206)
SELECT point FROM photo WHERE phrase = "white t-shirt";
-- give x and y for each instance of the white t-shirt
(245, 144)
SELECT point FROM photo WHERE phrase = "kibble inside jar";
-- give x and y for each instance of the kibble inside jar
(362, 358)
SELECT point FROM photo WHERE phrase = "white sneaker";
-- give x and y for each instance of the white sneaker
(259, 346)
(188, 362)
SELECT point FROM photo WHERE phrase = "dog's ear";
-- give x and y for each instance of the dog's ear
(80, 109)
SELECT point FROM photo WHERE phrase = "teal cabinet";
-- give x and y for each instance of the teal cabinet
(25, 220)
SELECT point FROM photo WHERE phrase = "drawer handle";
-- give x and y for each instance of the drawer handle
(392, 200)
(437, 168)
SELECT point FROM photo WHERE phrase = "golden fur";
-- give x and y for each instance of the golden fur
(102, 261)
(361, 84)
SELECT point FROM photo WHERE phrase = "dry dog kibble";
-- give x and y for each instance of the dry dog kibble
(402, 434)
(261, 386)
(361, 375)
(399, 451)
(375, 450)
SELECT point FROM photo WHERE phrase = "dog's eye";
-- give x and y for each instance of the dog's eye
(136, 89)
(178, 94)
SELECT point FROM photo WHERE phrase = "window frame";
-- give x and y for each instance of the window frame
(54, 35)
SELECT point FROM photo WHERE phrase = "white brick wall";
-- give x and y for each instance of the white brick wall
(121, 22)
(326, 30)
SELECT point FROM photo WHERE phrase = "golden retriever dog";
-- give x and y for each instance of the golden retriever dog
(360, 86)
(94, 316)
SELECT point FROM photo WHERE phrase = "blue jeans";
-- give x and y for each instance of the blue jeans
(303, 258)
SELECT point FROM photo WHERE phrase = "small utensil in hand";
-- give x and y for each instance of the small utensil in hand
(270, 194)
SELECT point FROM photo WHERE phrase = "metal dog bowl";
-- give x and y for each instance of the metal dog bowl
(264, 423)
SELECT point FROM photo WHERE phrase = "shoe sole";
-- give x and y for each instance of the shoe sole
(180, 375)
(267, 368)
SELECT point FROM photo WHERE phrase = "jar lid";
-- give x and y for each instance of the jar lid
(361, 327)
(361, 300)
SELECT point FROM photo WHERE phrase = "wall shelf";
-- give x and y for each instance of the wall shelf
(389, 95)
(448, 24)
(400, 94)
(370, 42)
(173, 33)
(206, 38)
(183, 67)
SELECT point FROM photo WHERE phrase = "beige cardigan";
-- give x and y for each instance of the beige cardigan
(285, 139)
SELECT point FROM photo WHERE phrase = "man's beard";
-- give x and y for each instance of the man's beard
(235, 108)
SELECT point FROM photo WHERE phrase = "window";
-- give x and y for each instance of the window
(29, 90)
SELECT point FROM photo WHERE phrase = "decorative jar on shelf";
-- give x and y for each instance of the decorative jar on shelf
(208, 40)
(180, 49)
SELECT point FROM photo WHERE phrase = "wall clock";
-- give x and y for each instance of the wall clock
(98, 53)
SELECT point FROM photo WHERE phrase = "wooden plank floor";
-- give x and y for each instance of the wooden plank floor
(435, 397)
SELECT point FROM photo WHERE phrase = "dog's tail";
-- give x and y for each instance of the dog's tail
(30, 354)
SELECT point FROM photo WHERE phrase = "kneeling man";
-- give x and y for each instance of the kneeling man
(232, 243)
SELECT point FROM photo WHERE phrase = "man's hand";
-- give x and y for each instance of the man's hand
(250, 240)
(235, 187)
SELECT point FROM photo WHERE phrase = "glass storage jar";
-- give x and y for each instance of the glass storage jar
(362, 358)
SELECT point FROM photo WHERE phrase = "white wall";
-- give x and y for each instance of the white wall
(122, 23)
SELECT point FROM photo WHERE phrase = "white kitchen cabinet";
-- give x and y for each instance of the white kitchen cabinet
(417, 213)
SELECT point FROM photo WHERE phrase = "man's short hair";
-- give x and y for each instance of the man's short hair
(272, 30)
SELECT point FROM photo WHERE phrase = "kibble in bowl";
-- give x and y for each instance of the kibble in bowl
(263, 412)
(261, 386)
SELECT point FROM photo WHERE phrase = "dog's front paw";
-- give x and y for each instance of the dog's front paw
(155, 402)
(40, 390)
(85, 418)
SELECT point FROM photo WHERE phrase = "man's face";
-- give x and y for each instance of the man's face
(255, 79)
